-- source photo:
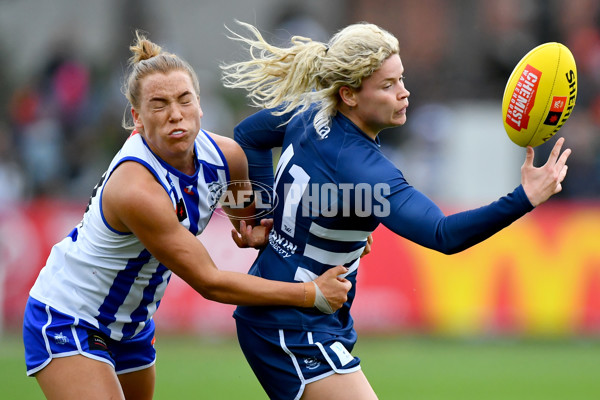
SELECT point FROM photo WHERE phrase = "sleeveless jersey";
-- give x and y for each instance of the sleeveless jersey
(107, 277)
(330, 193)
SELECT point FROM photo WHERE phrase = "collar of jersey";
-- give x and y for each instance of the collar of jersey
(350, 127)
(173, 170)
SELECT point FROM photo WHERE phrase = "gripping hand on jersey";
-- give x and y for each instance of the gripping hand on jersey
(249, 236)
(331, 291)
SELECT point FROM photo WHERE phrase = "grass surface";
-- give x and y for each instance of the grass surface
(398, 368)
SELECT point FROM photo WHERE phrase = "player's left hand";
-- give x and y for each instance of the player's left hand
(250, 236)
(543, 182)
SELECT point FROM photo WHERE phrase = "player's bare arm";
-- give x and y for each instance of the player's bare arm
(133, 201)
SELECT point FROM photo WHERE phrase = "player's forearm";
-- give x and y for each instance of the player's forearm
(242, 289)
(236, 214)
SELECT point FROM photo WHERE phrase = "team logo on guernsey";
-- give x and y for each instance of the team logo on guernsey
(215, 191)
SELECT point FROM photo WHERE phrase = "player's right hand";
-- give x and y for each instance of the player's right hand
(334, 288)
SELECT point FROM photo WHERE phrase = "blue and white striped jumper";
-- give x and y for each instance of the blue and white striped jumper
(108, 278)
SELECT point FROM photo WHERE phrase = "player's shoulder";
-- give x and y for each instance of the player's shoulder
(225, 144)
(232, 152)
(362, 159)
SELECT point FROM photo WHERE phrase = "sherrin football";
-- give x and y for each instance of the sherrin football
(540, 94)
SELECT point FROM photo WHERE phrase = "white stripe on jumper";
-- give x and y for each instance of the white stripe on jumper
(338, 234)
(330, 257)
(305, 275)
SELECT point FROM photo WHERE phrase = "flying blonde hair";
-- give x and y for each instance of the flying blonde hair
(308, 72)
(148, 58)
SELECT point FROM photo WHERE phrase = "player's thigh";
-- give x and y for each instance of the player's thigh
(78, 377)
(353, 386)
(139, 385)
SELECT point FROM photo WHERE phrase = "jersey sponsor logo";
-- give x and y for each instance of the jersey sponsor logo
(181, 211)
(281, 245)
(189, 190)
(523, 98)
(97, 342)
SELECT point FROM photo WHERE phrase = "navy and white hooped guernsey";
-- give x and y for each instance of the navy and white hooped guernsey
(331, 192)
(108, 278)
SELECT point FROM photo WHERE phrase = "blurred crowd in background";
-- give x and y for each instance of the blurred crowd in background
(60, 121)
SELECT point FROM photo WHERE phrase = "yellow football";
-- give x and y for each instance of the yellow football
(540, 94)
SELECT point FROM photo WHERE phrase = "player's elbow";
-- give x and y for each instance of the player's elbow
(450, 250)
(207, 284)
(210, 289)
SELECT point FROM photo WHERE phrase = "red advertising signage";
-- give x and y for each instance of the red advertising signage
(540, 276)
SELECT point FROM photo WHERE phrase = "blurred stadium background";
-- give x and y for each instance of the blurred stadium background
(523, 307)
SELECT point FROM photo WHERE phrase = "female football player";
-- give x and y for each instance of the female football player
(324, 104)
(88, 329)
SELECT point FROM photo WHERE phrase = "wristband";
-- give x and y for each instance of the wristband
(309, 296)
(321, 302)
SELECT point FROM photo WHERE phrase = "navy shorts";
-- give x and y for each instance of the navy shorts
(285, 361)
(48, 334)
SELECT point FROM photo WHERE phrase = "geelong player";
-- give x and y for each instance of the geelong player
(324, 105)
(88, 328)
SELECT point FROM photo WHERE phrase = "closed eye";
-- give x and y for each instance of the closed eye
(186, 98)
(157, 104)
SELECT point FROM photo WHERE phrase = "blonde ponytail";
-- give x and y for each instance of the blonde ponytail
(308, 72)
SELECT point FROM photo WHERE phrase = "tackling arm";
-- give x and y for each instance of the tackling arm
(135, 202)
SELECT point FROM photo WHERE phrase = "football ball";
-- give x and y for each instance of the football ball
(540, 94)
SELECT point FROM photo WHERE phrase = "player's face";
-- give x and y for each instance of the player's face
(169, 117)
(382, 100)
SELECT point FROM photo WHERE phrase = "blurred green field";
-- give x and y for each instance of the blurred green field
(398, 368)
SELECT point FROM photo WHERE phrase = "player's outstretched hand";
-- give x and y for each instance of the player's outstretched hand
(332, 290)
(250, 236)
(543, 182)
